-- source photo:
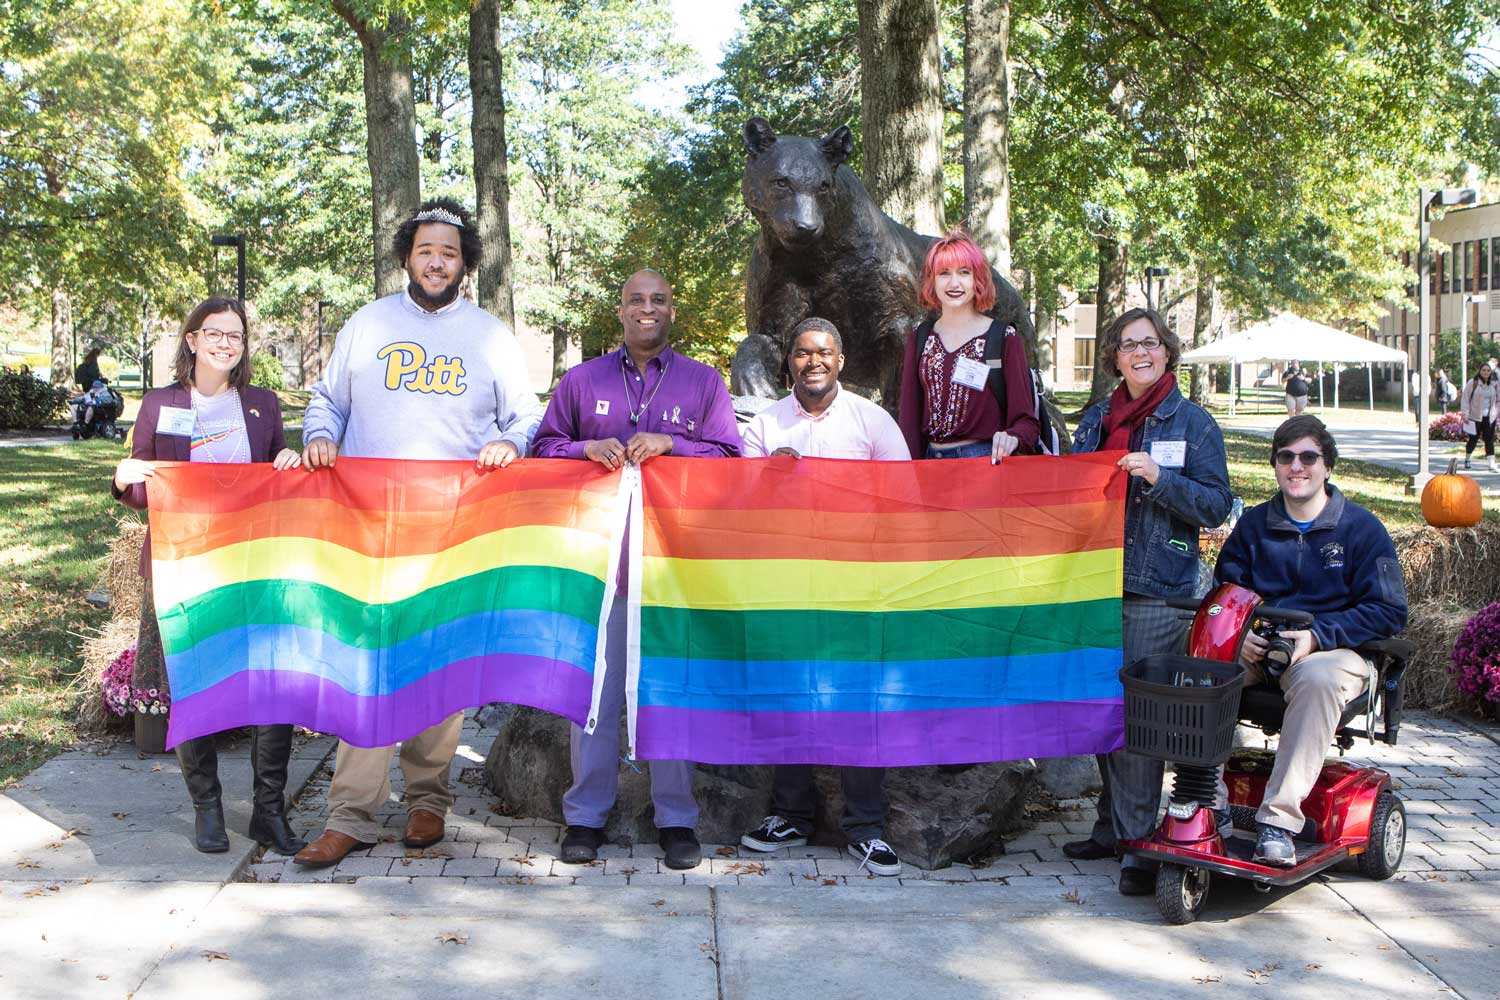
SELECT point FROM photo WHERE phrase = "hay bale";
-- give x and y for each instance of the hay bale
(99, 649)
(121, 578)
(1450, 574)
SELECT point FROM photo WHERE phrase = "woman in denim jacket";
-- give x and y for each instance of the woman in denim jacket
(1179, 483)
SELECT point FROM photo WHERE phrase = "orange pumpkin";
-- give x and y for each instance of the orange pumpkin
(1451, 500)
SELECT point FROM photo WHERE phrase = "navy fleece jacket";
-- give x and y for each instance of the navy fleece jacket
(1343, 571)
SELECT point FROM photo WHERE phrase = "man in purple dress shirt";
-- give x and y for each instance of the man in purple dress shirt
(631, 405)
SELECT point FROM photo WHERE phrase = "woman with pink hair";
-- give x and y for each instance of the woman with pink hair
(951, 401)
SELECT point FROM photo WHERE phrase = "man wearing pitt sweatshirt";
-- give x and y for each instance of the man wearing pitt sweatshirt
(421, 374)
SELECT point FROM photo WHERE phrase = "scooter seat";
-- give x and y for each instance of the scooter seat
(1263, 706)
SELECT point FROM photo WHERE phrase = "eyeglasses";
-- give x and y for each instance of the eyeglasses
(1129, 346)
(1285, 456)
(221, 336)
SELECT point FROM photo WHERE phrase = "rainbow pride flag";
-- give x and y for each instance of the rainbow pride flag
(877, 613)
(376, 598)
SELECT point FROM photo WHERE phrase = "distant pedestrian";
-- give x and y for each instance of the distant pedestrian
(1296, 391)
(1481, 411)
(1445, 390)
(87, 373)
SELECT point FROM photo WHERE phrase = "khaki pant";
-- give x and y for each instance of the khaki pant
(362, 779)
(1316, 689)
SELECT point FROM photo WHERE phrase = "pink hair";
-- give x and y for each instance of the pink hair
(958, 250)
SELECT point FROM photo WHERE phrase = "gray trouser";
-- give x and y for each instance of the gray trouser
(1131, 797)
(596, 758)
(794, 797)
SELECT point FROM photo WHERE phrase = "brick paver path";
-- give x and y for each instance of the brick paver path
(1448, 774)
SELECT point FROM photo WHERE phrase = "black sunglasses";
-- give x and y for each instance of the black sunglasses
(1285, 456)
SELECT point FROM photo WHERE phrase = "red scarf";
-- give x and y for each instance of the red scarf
(1126, 414)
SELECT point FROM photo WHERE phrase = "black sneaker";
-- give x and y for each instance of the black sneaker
(580, 844)
(875, 856)
(773, 833)
(681, 847)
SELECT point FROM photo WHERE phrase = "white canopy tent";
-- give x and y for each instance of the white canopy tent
(1288, 337)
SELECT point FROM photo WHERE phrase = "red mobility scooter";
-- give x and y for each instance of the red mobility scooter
(1183, 710)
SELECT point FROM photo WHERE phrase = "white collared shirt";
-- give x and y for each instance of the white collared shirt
(851, 427)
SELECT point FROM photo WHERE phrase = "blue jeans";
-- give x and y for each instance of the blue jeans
(978, 449)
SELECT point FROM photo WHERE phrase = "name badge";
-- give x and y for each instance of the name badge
(1169, 454)
(601, 408)
(176, 421)
(970, 373)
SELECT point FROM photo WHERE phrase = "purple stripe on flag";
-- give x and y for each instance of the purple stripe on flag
(881, 739)
(267, 697)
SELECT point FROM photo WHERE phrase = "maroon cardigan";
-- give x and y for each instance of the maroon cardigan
(984, 416)
(262, 426)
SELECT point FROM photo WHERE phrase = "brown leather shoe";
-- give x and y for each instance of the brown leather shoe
(329, 849)
(423, 829)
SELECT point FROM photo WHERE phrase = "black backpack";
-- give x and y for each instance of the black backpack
(994, 353)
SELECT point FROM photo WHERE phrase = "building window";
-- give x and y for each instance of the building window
(1483, 284)
(1469, 266)
(1083, 359)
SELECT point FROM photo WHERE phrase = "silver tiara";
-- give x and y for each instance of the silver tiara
(439, 215)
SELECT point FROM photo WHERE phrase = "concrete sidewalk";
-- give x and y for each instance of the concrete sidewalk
(123, 906)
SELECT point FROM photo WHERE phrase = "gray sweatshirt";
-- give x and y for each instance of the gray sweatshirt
(407, 383)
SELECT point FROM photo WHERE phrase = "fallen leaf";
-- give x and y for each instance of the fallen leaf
(1382, 947)
(660, 902)
(746, 868)
(400, 916)
(830, 881)
(670, 913)
(215, 956)
(1205, 980)
(810, 878)
(101, 976)
(726, 852)
(452, 937)
(1313, 965)
(119, 815)
(1073, 896)
(155, 768)
(528, 860)
(626, 871)
(27, 863)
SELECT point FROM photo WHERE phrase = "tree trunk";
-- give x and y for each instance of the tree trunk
(62, 337)
(391, 135)
(491, 186)
(987, 127)
(559, 354)
(1203, 309)
(901, 102)
(1114, 261)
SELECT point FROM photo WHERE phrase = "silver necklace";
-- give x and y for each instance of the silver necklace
(637, 414)
(241, 453)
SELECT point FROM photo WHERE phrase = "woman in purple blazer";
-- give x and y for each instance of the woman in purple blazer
(211, 413)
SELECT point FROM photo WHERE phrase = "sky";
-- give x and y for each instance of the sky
(705, 26)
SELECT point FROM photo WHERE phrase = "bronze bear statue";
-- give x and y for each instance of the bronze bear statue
(826, 249)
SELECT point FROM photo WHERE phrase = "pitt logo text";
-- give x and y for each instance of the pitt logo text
(406, 366)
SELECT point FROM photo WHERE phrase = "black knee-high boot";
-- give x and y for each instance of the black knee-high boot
(199, 760)
(270, 750)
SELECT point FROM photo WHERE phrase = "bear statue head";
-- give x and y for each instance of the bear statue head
(791, 183)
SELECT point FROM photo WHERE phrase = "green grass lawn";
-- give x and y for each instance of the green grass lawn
(57, 523)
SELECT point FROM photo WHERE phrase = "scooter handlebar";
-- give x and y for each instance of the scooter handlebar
(1286, 616)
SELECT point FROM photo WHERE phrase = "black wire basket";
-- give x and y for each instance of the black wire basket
(1182, 708)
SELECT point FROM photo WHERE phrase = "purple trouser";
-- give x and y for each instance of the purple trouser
(596, 758)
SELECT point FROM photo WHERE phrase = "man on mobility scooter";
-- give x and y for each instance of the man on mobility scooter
(1310, 549)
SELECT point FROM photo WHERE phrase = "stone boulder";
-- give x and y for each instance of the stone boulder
(936, 816)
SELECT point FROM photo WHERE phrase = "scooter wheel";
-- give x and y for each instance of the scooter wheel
(1181, 892)
(1387, 838)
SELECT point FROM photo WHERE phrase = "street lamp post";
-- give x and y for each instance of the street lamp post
(321, 304)
(1446, 197)
(1463, 337)
(238, 242)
